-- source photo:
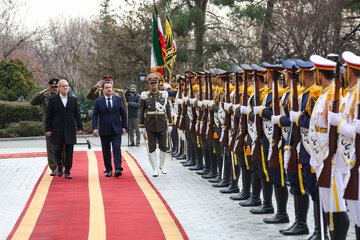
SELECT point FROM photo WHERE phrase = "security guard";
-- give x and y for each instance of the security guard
(155, 117)
(42, 98)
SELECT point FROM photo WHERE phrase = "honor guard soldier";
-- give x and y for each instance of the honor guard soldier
(155, 117)
(172, 90)
(344, 121)
(42, 98)
(330, 196)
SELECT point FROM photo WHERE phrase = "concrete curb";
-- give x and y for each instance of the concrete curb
(31, 138)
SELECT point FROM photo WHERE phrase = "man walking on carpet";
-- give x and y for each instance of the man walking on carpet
(109, 122)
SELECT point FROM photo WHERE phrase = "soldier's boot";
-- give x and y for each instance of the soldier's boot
(180, 151)
(246, 184)
(225, 181)
(218, 167)
(281, 216)
(182, 156)
(266, 206)
(175, 143)
(234, 185)
(153, 163)
(213, 168)
(193, 159)
(357, 232)
(300, 226)
(296, 211)
(188, 156)
(199, 160)
(341, 225)
(162, 162)
(206, 170)
(317, 230)
(254, 200)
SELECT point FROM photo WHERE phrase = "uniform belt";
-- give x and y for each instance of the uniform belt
(322, 130)
(155, 112)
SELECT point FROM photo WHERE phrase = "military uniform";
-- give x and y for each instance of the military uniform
(155, 116)
(43, 100)
(95, 93)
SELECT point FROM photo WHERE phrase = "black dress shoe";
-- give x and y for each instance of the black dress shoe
(204, 171)
(196, 168)
(137, 144)
(221, 184)
(60, 173)
(68, 176)
(132, 144)
(251, 202)
(263, 209)
(108, 174)
(53, 173)
(278, 218)
(215, 180)
(241, 196)
(118, 173)
(210, 175)
(230, 189)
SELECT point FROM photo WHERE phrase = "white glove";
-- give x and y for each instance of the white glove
(185, 98)
(169, 129)
(179, 101)
(334, 118)
(199, 103)
(192, 100)
(257, 109)
(272, 143)
(210, 103)
(141, 130)
(235, 106)
(182, 136)
(227, 106)
(287, 154)
(357, 125)
(245, 109)
(275, 119)
(206, 102)
(294, 115)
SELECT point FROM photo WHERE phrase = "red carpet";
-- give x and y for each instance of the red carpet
(91, 206)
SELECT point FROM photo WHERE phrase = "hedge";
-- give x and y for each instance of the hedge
(22, 129)
(18, 111)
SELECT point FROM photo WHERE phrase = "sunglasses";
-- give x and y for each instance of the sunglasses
(155, 82)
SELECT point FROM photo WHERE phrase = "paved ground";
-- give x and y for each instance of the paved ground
(201, 209)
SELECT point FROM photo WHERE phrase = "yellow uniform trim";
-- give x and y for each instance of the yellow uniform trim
(260, 113)
(287, 147)
(281, 168)
(263, 164)
(246, 160)
(97, 226)
(336, 197)
(235, 159)
(322, 130)
(279, 124)
(338, 126)
(301, 183)
(248, 115)
(297, 119)
(198, 141)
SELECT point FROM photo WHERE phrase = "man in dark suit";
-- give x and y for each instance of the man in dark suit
(62, 123)
(109, 121)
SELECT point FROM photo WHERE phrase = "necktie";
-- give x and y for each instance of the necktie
(109, 104)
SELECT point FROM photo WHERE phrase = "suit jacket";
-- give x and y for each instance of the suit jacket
(63, 121)
(107, 119)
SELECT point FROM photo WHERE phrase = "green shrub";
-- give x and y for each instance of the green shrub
(87, 127)
(18, 111)
(22, 129)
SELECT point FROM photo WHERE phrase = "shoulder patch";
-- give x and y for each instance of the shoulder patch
(164, 94)
(144, 95)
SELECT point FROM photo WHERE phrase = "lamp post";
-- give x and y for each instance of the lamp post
(83, 113)
(142, 77)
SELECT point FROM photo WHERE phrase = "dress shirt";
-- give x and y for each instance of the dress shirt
(64, 99)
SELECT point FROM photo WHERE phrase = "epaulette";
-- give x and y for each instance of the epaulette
(315, 92)
(195, 87)
(164, 94)
(232, 88)
(264, 91)
(144, 95)
(282, 91)
(250, 89)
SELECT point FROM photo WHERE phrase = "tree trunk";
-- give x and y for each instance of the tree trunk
(266, 53)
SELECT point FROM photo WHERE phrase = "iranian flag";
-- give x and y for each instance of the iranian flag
(158, 48)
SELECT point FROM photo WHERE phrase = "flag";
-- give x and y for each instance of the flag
(158, 47)
(170, 41)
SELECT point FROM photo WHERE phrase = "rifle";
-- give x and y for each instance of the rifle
(200, 118)
(352, 188)
(193, 123)
(294, 130)
(184, 109)
(240, 139)
(179, 105)
(210, 130)
(225, 137)
(324, 179)
(274, 158)
(236, 119)
(259, 130)
(204, 126)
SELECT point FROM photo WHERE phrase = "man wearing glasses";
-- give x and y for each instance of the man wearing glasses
(155, 117)
(42, 98)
